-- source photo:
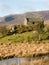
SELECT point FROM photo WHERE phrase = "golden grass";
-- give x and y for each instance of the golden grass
(23, 49)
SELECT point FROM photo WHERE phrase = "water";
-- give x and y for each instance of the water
(19, 60)
(12, 60)
(8, 61)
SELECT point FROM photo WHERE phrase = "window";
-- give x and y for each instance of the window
(33, 22)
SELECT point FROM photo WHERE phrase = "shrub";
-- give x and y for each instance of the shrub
(3, 30)
(23, 28)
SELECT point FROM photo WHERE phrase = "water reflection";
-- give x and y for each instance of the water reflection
(18, 61)
(15, 61)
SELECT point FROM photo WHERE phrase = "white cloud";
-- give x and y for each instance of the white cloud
(4, 6)
(47, 3)
(35, 0)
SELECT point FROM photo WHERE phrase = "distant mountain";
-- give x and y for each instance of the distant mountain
(19, 18)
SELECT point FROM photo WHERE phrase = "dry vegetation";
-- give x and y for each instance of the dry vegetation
(46, 22)
(23, 50)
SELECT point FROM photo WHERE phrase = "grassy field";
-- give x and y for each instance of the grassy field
(22, 37)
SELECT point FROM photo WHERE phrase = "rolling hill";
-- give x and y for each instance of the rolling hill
(19, 18)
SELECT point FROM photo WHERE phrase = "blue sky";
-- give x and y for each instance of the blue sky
(21, 6)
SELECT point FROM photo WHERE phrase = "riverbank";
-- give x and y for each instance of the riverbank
(23, 50)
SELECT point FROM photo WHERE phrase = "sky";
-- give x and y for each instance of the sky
(21, 6)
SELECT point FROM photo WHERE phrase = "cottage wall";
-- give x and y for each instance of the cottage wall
(25, 21)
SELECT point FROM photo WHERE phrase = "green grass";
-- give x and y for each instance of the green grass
(22, 37)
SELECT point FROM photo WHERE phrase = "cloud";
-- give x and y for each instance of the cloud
(25, 8)
(35, 0)
(46, 4)
(4, 7)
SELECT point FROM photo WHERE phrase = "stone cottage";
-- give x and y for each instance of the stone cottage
(36, 23)
(33, 21)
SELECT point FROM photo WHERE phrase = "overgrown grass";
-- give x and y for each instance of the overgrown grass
(22, 37)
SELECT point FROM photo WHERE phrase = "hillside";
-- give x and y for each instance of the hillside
(19, 18)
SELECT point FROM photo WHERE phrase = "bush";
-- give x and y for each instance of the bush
(23, 28)
(3, 30)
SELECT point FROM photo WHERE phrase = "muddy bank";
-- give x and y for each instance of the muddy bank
(23, 50)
